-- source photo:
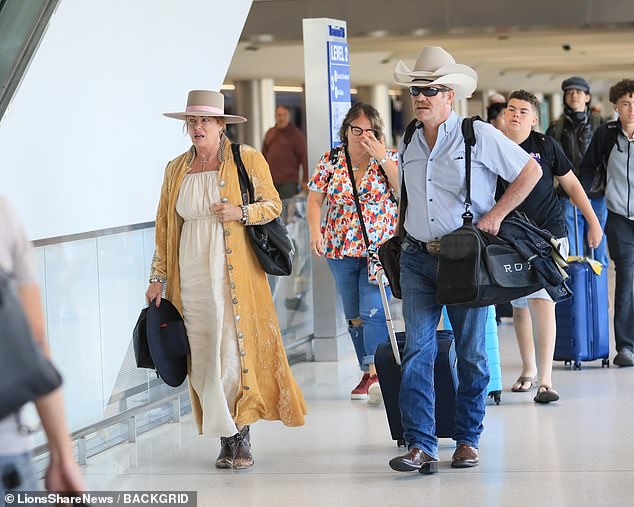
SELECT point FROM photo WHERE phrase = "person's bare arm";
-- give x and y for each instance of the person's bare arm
(63, 473)
(313, 215)
(31, 304)
(572, 186)
(513, 196)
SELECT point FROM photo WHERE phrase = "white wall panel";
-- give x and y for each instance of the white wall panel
(83, 145)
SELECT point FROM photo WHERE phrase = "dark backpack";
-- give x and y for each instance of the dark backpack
(25, 374)
(558, 125)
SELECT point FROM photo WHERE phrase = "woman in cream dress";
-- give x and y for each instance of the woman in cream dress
(238, 371)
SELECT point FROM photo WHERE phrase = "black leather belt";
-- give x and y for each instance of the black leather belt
(431, 247)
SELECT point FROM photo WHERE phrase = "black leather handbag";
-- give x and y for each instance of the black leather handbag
(271, 242)
(25, 373)
(390, 251)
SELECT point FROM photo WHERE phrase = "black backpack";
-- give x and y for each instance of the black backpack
(25, 374)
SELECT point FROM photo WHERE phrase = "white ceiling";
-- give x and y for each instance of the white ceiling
(505, 59)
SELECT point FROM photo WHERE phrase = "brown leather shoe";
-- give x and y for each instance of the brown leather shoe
(242, 457)
(415, 459)
(225, 458)
(465, 456)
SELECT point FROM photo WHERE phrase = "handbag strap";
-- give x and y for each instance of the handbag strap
(356, 201)
(246, 188)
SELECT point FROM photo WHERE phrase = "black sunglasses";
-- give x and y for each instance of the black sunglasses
(427, 91)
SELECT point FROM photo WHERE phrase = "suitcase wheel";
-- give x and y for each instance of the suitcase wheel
(401, 442)
(606, 363)
(497, 396)
(567, 364)
(576, 365)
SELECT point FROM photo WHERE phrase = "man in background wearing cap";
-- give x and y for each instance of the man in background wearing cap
(432, 173)
(574, 130)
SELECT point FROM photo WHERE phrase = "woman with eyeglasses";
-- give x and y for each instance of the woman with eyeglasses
(363, 161)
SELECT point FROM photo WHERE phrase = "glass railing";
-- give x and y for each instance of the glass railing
(22, 24)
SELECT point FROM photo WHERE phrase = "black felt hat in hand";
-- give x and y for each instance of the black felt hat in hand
(168, 342)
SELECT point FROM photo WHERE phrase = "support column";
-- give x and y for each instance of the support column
(378, 97)
(327, 94)
(256, 101)
(556, 105)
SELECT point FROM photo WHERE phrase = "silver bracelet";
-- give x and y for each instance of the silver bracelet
(384, 159)
(156, 279)
(245, 214)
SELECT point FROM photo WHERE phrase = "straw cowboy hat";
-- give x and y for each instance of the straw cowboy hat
(206, 103)
(435, 66)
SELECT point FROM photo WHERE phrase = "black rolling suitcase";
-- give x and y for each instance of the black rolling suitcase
(388, 367)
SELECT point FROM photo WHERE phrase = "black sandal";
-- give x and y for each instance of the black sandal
(546, 394)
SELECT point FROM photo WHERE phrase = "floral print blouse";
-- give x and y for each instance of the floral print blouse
(340, 227)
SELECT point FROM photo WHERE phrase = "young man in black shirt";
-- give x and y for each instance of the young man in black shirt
(544, 208)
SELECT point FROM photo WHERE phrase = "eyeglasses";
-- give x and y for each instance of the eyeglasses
(427, 91)
(357, 131)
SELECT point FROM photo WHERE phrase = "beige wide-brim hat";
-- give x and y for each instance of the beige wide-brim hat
(206, 103)
(435, 66)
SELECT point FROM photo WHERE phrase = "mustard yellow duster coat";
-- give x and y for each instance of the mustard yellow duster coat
(268, 390)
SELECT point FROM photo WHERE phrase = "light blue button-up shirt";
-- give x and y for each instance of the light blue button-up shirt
(435, 179)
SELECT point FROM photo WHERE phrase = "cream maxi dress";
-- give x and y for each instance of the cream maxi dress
(207, 309)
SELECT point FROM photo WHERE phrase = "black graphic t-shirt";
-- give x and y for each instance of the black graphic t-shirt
(542, 204)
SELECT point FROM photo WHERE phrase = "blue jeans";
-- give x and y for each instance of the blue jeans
(620, 232)
(18, 468)
(361, 300)
(417, 396)
(600, 209)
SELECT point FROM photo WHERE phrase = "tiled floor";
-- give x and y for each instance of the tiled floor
(578, 451)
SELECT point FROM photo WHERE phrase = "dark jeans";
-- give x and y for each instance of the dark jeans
(417, 397)
(620, 233)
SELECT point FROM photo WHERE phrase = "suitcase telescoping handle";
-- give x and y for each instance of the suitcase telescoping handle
(574, 213)
(381, 279)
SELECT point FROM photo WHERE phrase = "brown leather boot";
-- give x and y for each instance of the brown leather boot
(242, 457)
(225, 458)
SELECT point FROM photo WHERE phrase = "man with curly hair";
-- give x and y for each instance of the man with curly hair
(612, 152)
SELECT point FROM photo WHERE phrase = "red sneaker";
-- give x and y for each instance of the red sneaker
(375, 397)
(361, 391)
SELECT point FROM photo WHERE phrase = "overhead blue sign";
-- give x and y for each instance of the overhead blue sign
(339, 86)
(337, 31)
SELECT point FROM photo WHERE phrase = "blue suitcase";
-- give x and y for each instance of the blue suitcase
(583, 331)
(494, 389)
(387, 360)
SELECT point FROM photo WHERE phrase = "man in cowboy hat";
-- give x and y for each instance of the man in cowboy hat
(432, 168)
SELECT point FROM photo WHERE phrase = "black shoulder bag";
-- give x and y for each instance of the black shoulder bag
(390, 251)
(476, 268)
(271, 242)
(25, 373)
